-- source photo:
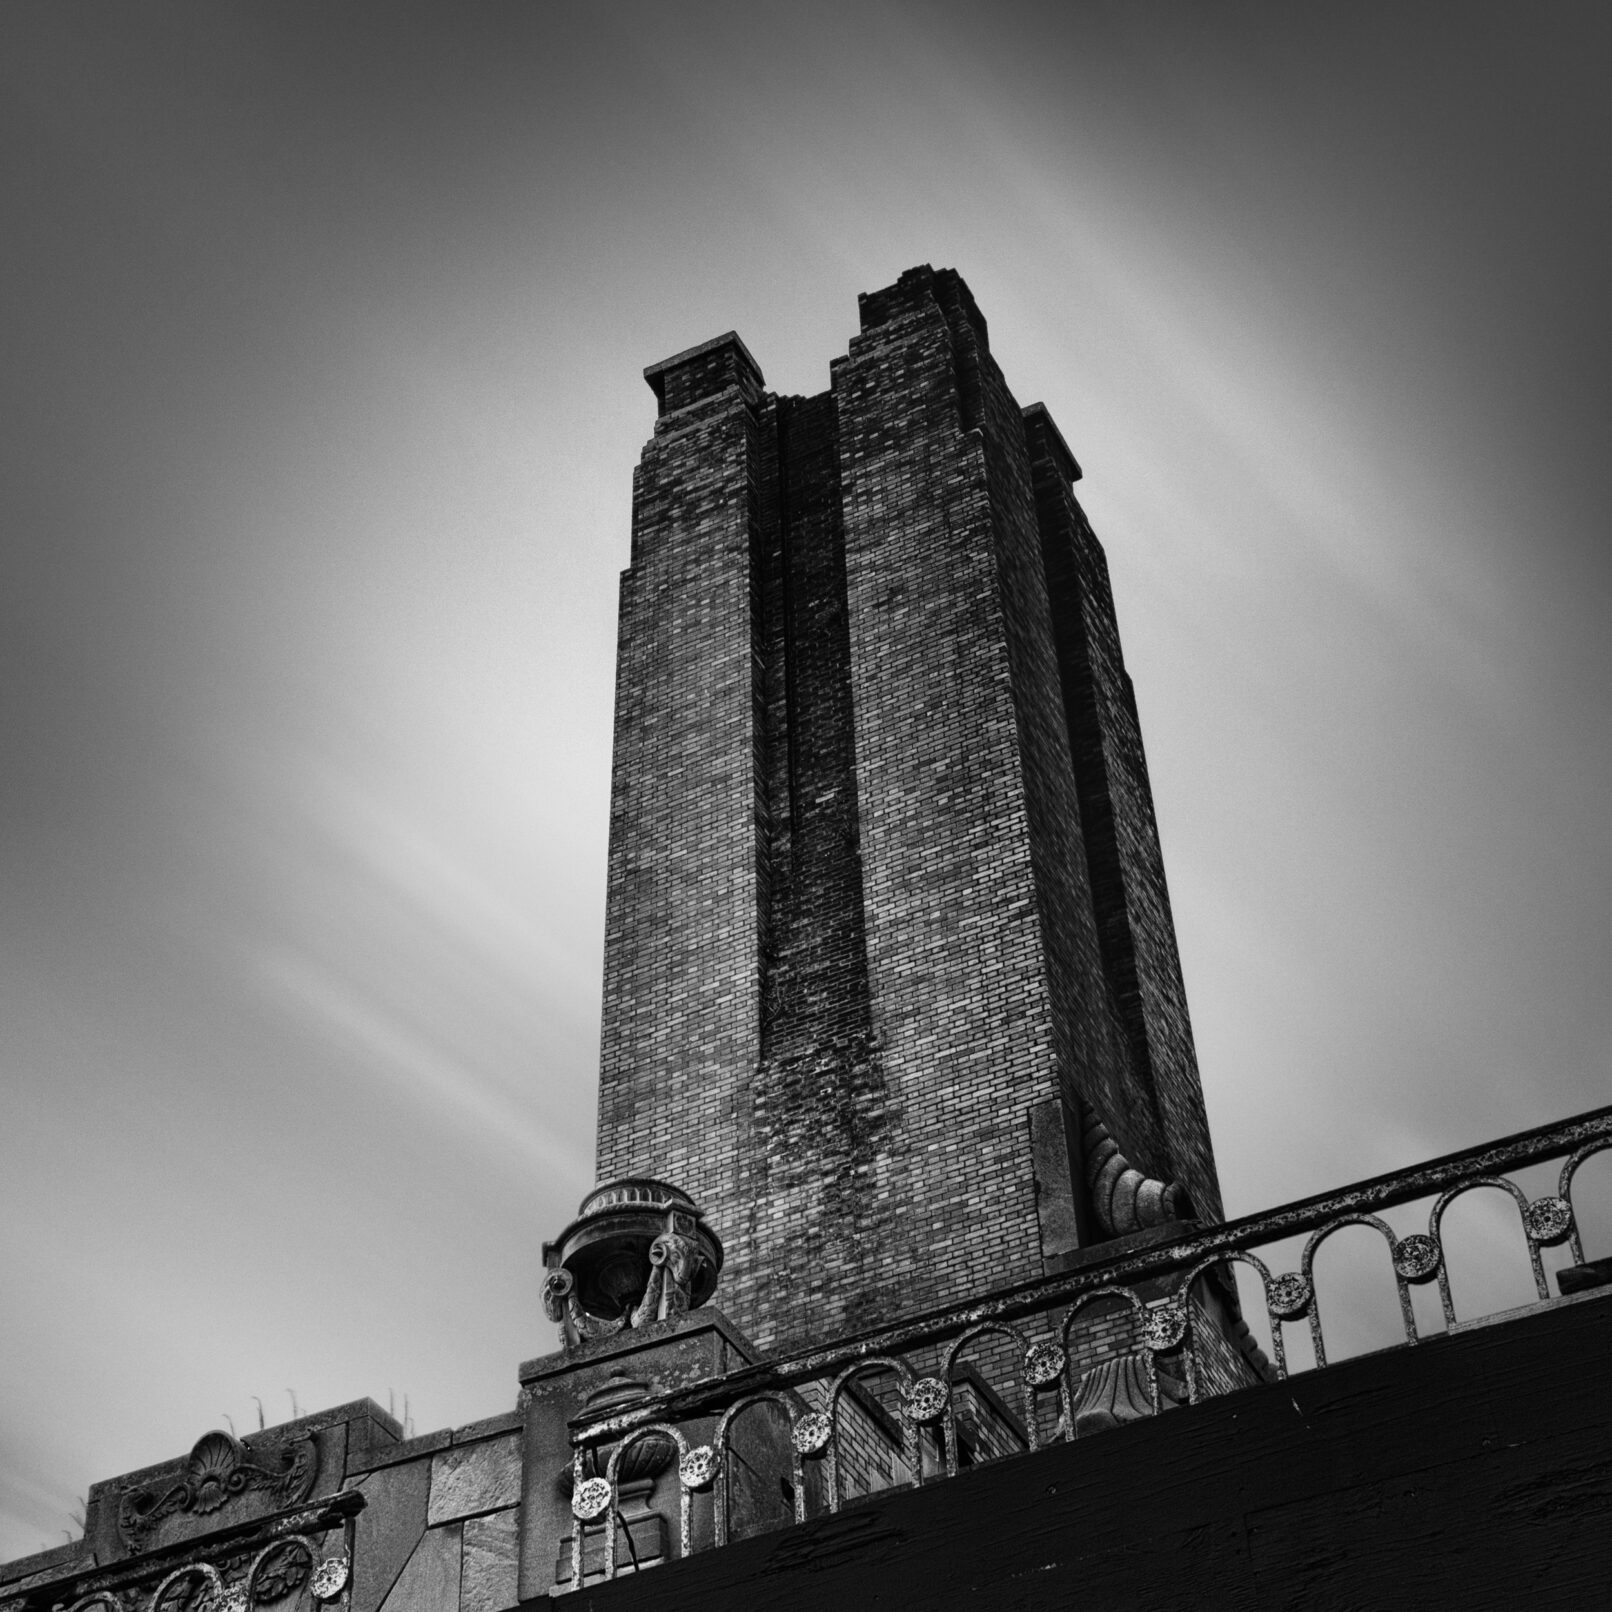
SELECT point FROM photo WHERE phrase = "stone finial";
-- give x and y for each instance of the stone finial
(639, 1251)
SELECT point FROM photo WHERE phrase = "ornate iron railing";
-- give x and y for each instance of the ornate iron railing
(819, 1398)
(252, 1565)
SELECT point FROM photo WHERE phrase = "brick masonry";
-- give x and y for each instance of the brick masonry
(884, 872)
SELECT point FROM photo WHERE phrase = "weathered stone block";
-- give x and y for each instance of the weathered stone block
(429, 1581)
(472, 1478)
(388, 1529)
(492, 1546)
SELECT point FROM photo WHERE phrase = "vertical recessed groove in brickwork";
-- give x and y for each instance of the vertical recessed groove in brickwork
(786, 408)
(1092, 1057)
(758, 707)
(1129, 891)
(819, 1101)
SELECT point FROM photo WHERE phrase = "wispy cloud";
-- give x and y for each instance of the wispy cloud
(403, 1058)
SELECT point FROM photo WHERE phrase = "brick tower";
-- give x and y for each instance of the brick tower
(891, 983)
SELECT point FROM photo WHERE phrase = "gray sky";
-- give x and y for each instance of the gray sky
(323, 329)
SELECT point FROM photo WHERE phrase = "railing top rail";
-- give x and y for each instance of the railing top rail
(1196, 1243)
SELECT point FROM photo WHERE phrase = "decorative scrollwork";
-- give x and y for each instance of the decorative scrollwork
(591, 1499)
(1124, 1198)
(558, 1286)
(560, 1306)
(330, 1577)
(1166, 1326)
(280, 1570)
(925, 1401)
(697, 1469)
(812, 1433)
(672, 1262)
(1044, 1364)
(1288, 1297)
(1549, 1221)
(220, 1469)
(196, 1587)
(1417, 1258)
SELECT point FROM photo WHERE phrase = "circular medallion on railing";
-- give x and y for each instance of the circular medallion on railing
(330, 1578)
(1549, 1220)
(697, 1469)
(1166, 1326)
(591, 1499)
(1288, 1297)
(925, 1401)
(1043, 1364)
(812, 1433)
(1416, 1258)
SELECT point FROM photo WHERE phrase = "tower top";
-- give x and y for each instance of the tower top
(702, 371)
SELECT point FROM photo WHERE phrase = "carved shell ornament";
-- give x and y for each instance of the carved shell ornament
(214, 1472)
(220, 1469)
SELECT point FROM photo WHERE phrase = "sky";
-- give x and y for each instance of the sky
(321, 386)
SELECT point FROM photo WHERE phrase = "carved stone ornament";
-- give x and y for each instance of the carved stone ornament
(1288, 1297)
(558, 1286)
(638, 1254)
(697, 1469)
(591, 1499)
(1417, 1258)
(280, 1570)
(104, 1599)
(330, 1578)
(1044, 1364)
(1124, 1199)
(812, 1433)
(672, 1263)
(1113, 1392)
(234, 1600)
(220, 1469)
(1549, 1221)
(195, 1587)
(925, 1401)
(1166, 1325)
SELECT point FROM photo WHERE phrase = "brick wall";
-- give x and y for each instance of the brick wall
(1131, 901)
(869, 693)
(682, 946)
